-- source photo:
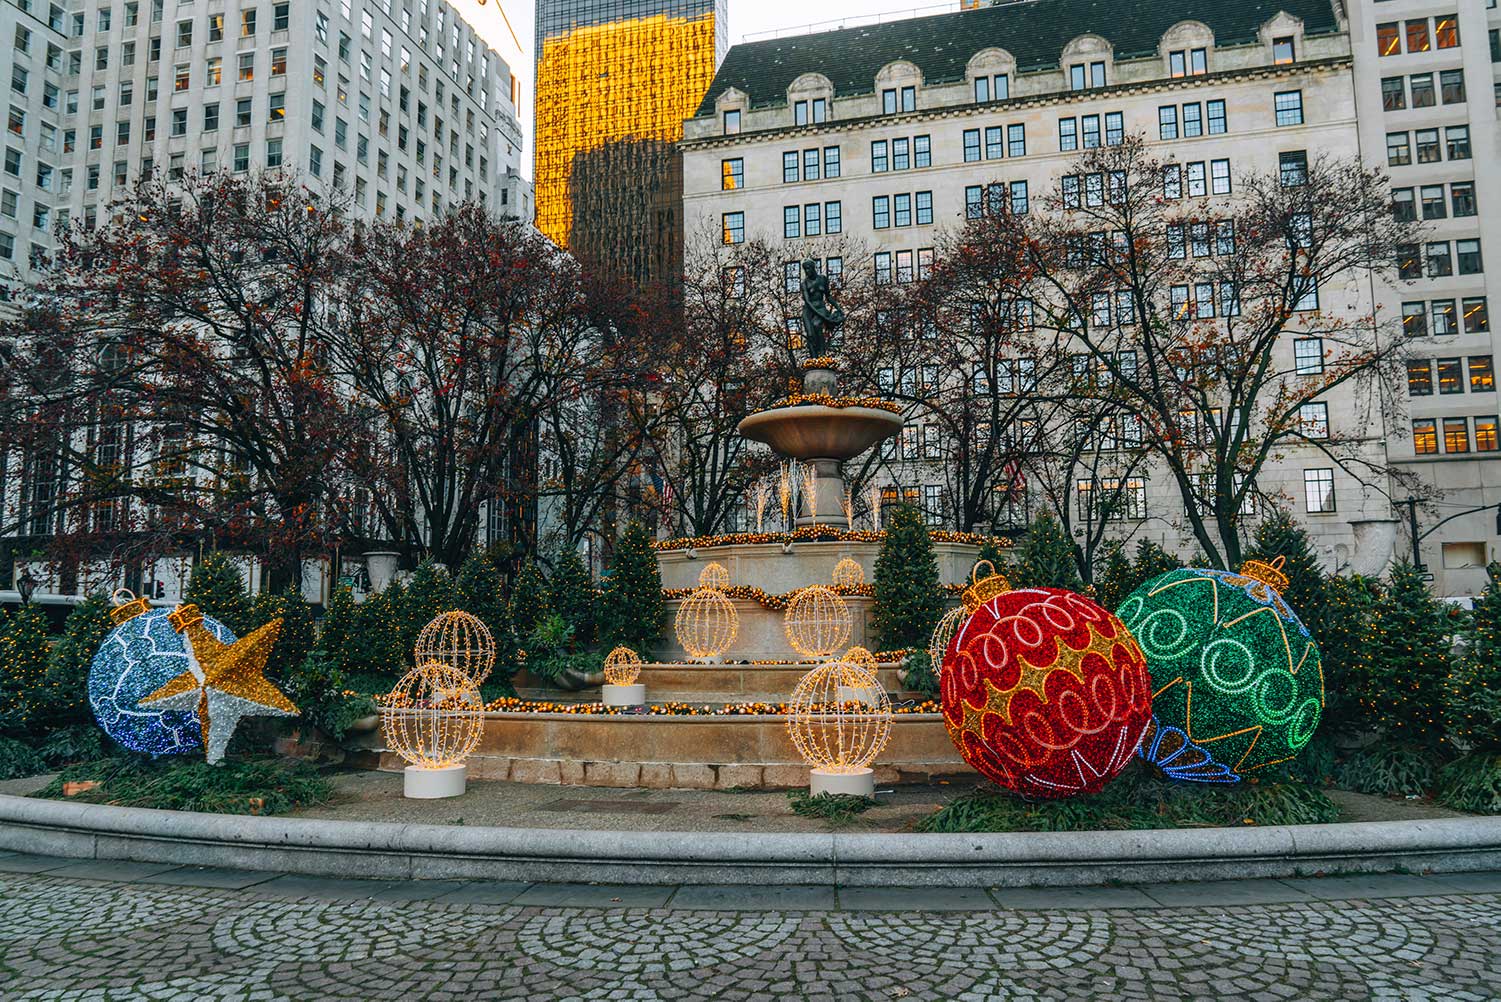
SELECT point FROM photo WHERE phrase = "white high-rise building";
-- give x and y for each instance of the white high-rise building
(401, 105)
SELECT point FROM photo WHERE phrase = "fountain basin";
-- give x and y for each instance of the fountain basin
(815, 431)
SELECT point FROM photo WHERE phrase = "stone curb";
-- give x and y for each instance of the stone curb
(1021, 859)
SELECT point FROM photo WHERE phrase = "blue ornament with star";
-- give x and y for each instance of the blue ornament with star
(141, 654)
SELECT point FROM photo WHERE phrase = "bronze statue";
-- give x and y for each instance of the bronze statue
(822, 316)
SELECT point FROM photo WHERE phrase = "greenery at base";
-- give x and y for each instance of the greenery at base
(1402, 676)
(219, 592)
(838, 809)
(572, 591)
(552, 653)
(634, 610)
(17, 759)
(1472, 783)
(908, 597)
(1047, 557)
(317, 687)
(1390, 770)
(1139, 800)
(240, 786)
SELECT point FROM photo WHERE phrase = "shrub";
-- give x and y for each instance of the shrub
(18, 759)
(1279, 535)
(376, 643)
(572, 591)
(908, 597)
(1404, 667)
(1474, 690)
(1345, 626)
(551, 654)
(296, 637)
(530, 603)
(1115, 579)
(1472, 784)
(317, 686)
(1390, 770)
(921, 677)
(480, 594)
(634, 608)
(239, 786)
(219, 591)
(429, 594)
(1047, 557)
(338, 629)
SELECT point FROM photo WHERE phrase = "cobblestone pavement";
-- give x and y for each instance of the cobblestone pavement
(138, 931)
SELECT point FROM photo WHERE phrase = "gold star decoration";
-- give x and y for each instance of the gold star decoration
(224, 683)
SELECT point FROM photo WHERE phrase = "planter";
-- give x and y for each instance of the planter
(381, 566)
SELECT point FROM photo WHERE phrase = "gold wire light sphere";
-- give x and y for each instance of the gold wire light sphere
(714, 575)
(839, 718)
(943, 633)
(818, 622)
(622, 666)
(434, 717)
(848, 573)
(460, 641)
(706, 624)
(862, 658)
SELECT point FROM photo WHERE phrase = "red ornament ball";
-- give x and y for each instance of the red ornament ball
(1046, 693)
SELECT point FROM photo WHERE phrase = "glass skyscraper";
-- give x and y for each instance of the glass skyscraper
(615, 80)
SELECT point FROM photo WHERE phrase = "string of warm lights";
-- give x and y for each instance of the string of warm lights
(523, 707)
(821, 362)
(434, 717)
(818, 534)
(459, 640)
(622, 666)
(838, 403)
(818, 622)
(833, 729)
(706, 624)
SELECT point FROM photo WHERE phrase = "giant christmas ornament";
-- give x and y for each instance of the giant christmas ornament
(173, 682)
(1237, 679)
(1045, 693)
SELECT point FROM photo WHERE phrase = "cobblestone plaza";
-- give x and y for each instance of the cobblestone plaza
(97, 930)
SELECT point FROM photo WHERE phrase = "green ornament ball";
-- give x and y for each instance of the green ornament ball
(1237, 681)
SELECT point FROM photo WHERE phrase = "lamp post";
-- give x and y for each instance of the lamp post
(26, 585)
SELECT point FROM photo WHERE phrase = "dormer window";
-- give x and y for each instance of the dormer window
(992, 88)
(814, 112)
(1283, 52)
(1188, 62)
(732, 122)
(895, 99)
(1083, 76)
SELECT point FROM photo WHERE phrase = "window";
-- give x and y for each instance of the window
(1318, 491)
(1115, 127)
(276, 107)
(1485, 434)
(971, 145)
(880, 207)
(1218, 125)
(1021, 202)
(1219, 177)
(1016, 138)
(1468, 253)
(1289, 108)
(833, 219)
(922, 151)
(1428, 149)
(883, 267)
(1463, 198)
(902, 210)
(1313, 420)
(1078, 77)
(732, 122)
(1091, 132)
(1440, 260)
(1452, 86)
(791, 222)
(1457, 137)
(1417, 36)
(1424, 436)
(812, 220)
(733, 227)
(1482, 374)
(242, 157)
(924, 202)
(1423, 94)
(732, 174)
(1283, 52)
(831, 161)
(1293, 167)
(1477, 319)
(1167, 122)
(880, 159)
(247, 66)
(242, 112)
(247, 22)
(1443, 316)
(211, 117)
(901, 154)
(1197, 185)
(1398, 149)
(279, 68)
(1308, 356)
(1394, 93)
(995, 148)
(1388, 39)
(790, 172)
(179, 121)
(1193, 121)
(1450, 376)
(974, 202)
(1456, 435)
(1446, 32)
(1415, 319)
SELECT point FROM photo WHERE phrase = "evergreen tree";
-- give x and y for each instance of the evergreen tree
(990, 549)
(634, 607)
(219, 592)
(1348, 604)
(338, 628)
(64, 700)
(1279, 536)
(480, 593)
(530, 603)
(1475, 689)
(24, 655)
(376, 645)
(429, 594)
(1404, 667)
(1047, 557)
(572, 591)
(1152, 561)
(908, 595)
(296, 637)
(1116, 579)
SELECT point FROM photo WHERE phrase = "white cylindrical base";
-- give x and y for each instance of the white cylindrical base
(623, 695)
(434, 784)
(853, 784)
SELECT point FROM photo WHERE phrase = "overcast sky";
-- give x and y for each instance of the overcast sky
(747, 17)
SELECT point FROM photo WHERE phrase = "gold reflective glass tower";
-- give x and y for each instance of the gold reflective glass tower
(615, 80)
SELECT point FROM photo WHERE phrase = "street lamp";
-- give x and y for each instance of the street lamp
(26, 585)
